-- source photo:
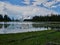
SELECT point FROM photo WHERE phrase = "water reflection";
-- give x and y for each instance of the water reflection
(1, 25)
(55, 28)
(51, 26)
(6, 25)
(18, 27)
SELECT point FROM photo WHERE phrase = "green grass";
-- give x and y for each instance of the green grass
(30, 38)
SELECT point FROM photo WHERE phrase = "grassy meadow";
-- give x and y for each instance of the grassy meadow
(31, 38)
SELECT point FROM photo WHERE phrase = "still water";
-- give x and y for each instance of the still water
(20, 27)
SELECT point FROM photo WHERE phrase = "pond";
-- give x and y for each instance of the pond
(20, 27)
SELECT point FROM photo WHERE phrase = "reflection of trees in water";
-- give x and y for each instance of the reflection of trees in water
(4, 25)
(1, 25)
(20, 26)
(39, 25)
(51, 26)
(55, 28)
(15, 26)
(29, 26)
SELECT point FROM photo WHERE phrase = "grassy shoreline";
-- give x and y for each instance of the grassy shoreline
(30, 38)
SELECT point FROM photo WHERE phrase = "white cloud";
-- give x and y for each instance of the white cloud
(38, 2)
(27, 2)
(25, 10)
(57, 0)
(49, 4)
(1, 7)
(44, 2)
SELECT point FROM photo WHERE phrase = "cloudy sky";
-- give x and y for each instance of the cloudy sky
(25, 8)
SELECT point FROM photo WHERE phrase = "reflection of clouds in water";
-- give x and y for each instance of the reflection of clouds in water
(20, 26)
(23, 27)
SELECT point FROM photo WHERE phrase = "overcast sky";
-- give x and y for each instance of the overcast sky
(25, 8)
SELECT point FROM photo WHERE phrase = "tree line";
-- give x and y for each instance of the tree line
(52, 17)
(6, 18)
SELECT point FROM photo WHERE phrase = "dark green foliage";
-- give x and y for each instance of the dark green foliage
(28, 20)
(31, 38)
(53, 17)
(6, 18)
(45, 18)
(1, 17)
